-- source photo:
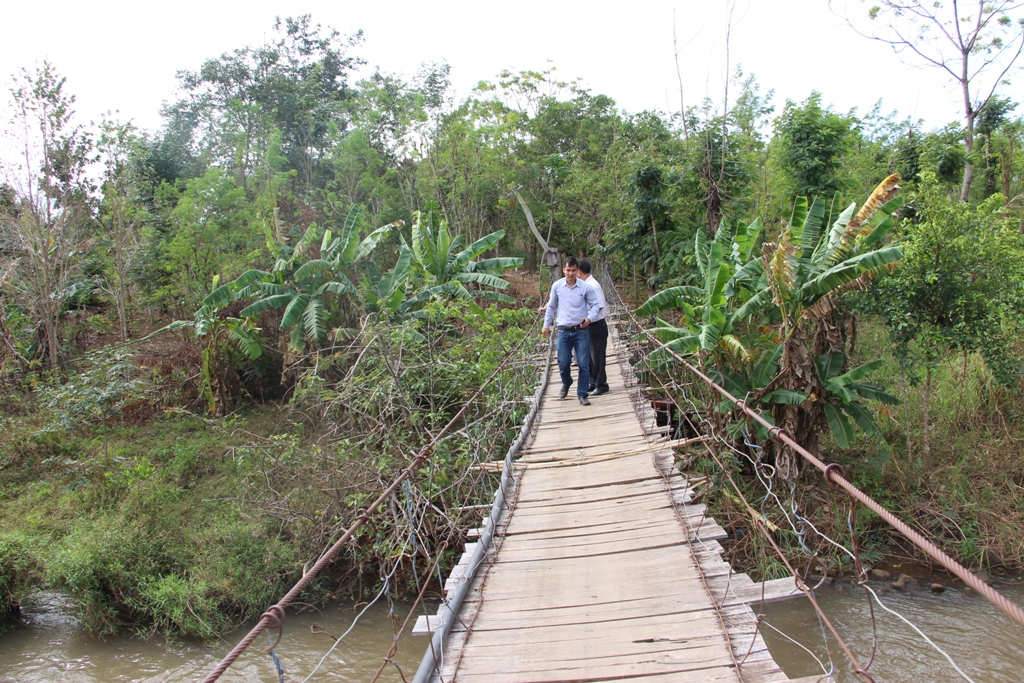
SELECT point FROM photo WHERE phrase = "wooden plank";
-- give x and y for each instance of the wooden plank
(595, 578)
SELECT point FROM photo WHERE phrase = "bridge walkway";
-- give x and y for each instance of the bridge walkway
(600, 571)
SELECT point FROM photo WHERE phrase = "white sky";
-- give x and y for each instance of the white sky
(123, 56)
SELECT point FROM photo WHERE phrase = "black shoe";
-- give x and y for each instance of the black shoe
(584, 401)
(590, 391)
(563, 392)
(598, 392)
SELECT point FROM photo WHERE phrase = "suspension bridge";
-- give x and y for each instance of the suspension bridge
(601, 569)
(595, 564)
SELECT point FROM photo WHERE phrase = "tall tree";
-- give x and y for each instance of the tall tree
(812, 141)
(122, 215)
(976, 43)
(295, 84)
(43, 230)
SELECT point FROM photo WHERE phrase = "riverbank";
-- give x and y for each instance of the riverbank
(189, 525)
(965, 493)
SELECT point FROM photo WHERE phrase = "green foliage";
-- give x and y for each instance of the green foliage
(303, 285)
(19, 573)
(812, 141)
(958, 286)
(751, 318)
(443, 267)
(213, 230)
(107, 382)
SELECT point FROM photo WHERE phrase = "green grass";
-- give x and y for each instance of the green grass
(189, 526)
(967, 496)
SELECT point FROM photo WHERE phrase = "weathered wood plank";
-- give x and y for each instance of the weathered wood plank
(601, 567)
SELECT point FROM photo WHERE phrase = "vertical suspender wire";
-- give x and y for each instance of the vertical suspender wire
(431, 659)
(364, 515)
(933, 551)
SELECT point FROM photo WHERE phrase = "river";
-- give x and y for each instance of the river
(51, 647)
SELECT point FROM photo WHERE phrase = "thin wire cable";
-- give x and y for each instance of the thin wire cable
(853, 557)
(926, 546)
(417, 461)
(805, 521)
(920, 633)
(384, 588)
(822, 618)
(830, 671)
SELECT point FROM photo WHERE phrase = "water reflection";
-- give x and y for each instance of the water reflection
(984, 643)
(51, 647)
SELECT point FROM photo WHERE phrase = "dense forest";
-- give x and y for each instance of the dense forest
(217, 340)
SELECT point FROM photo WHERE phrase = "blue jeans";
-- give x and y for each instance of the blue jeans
(567, 341)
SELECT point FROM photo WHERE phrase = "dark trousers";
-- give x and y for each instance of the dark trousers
(580, 341)
(598, 347)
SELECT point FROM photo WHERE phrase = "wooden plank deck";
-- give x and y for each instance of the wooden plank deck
(601, 571)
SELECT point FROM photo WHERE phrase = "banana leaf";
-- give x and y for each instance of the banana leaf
(839, 425)
(220, 297)
(862, 416)
(784, 397)
(857, 374)
(669, 298)
(370, 242)
(847, 271)
(479, 247)
(314, 319)
(495, 266)
(311, 269)
(766, 367)
(485, 279)
(873, 392)
(274, 301)
(829, 365)
(340, 286)
(294, 310)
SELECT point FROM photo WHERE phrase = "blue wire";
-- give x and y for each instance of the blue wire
(277, 662)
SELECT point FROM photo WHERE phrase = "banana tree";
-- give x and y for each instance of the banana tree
(302, 285)
(708, 325)
(385, 293)
(218, 333)
(804, 272)
(789, 292)
(443, 267)
(844, 394)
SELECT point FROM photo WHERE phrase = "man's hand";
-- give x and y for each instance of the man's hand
(542, 308)
(585, 323)
(546, 331)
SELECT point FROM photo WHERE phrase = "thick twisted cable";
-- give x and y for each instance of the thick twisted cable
(1011, 609)
(364, 515)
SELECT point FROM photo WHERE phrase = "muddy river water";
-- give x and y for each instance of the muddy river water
(50, 645)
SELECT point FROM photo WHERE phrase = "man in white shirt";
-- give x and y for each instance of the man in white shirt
(598, 329)
(572, 305)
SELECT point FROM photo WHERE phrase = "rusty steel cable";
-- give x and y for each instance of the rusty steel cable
(801, 585)
(364, 515)
(433, 658)
(1008, 607)
(854, 556)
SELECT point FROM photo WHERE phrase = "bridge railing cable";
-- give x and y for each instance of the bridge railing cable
(833, 476)
(658, 372)
(432, 658)
(272, 617)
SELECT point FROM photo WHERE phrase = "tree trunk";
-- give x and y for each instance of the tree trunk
(927, 418)
(965, 191)
(1006, 166)
(990, 170)
(801, 422)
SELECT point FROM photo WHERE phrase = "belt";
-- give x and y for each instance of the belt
(570, 328)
